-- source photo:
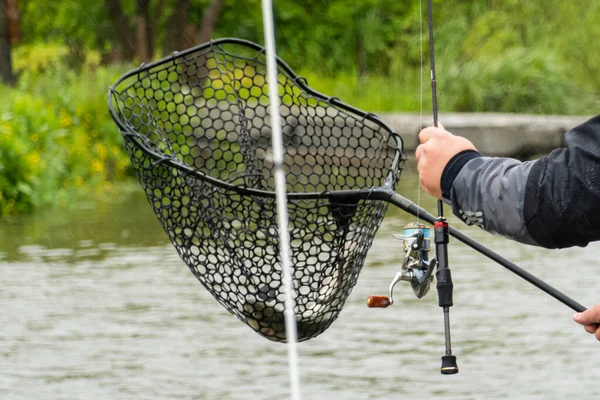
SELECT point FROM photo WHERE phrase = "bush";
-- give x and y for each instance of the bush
(517, 81)
(56, 136)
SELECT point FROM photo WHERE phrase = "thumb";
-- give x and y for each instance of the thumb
(589, 316)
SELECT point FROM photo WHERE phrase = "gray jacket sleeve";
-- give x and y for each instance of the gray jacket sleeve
(553, 202)
(490, 193)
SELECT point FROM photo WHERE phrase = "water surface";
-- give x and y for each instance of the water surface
(96, 304)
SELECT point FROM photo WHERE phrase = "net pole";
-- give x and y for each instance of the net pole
(281, 198)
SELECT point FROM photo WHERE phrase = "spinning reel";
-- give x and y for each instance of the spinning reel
(417, 269)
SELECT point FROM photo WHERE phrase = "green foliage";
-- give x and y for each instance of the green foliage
(492, 55)
(504, 56)
(36, 58)
(79, 24)
(372, 93)
(56, 136)
(366, 38)
(333, 36)
(521, 81)
(516, 56)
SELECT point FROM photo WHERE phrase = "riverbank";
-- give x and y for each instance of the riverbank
(494, 134)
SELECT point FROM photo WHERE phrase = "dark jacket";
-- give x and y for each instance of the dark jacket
(552, 202)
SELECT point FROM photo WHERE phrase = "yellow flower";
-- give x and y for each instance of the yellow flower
(97, 166)
(34, 137)
(101, 150)
(6, 130)
(65, 119)
(80, 145)
(33, 159)
(78, 181)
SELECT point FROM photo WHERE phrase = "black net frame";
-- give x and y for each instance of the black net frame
(197, 129)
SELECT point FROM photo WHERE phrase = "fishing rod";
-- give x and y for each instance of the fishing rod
(443, 276)
(415, 210)
(463, 238)
(416, 267)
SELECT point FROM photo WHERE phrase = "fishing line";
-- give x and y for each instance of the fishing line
(434, 104)
(281, 199)
(420, 92)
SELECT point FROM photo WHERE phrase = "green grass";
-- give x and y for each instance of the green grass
(519, 81)
(371, 93)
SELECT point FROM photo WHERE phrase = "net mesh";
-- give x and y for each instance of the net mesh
(197, 129)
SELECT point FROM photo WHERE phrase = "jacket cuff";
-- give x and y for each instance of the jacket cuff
(452, 169)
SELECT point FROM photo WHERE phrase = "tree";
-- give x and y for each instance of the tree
(182, 32)
(136, 36)
(179, 20)
(209, 20)
(6, 71)
(124, 37)
(143, 36)
(14, 22)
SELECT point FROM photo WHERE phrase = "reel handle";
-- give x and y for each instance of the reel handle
(378, 302)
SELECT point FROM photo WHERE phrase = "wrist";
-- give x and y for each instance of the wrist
(452, 169)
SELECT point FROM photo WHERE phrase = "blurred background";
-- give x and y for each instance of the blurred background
(58, 58)
(95, 302)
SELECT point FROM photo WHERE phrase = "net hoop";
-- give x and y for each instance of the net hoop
(196, 127)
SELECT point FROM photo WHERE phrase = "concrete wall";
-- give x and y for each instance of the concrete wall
(513, 135)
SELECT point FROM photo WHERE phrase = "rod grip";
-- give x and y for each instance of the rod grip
(378, 301)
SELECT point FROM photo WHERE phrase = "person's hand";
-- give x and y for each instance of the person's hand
(437, 147)
(590, 320)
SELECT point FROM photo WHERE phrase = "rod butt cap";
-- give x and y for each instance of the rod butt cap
(449, 366)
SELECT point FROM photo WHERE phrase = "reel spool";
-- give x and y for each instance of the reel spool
(416, 267)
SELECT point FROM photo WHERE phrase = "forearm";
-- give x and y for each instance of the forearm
(552, 202)
(490, 193)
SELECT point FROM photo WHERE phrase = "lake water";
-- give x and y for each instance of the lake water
(96, 304)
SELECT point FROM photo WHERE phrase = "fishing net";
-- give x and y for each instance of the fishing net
(197, 129)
